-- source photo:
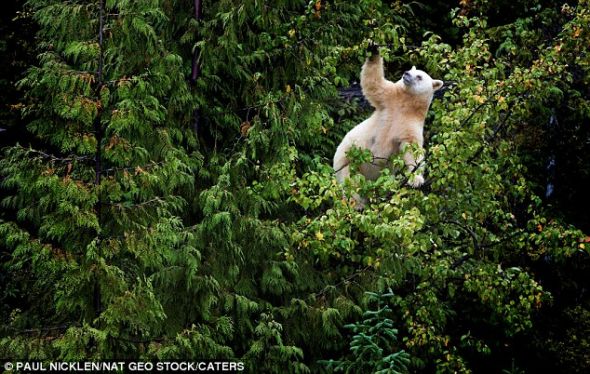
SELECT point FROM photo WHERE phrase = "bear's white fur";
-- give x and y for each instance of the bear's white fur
(398, 120)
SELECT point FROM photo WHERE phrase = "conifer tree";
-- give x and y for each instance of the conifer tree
(98, 198)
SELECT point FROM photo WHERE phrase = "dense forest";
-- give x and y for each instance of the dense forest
(167, 190)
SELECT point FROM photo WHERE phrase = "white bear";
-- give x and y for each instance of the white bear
(398, 120)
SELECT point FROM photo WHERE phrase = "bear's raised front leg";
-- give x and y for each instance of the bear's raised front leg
(373, 83)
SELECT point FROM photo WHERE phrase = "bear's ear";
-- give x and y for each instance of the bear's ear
(413, 68)
(437, 84)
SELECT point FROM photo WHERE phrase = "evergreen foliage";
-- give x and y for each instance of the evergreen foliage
(160, 211)
(374, 338)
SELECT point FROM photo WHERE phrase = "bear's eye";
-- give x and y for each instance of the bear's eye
(419, 77)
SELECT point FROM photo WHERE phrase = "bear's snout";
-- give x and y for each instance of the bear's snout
(407, 77)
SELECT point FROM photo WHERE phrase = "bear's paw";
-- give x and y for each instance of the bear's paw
(416, 181)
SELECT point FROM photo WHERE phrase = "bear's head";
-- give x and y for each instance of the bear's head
(420, 83)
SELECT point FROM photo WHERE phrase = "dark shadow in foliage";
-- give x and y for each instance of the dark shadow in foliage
(17, 52)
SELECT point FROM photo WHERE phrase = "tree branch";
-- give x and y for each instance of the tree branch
(54, 158)
(476, 245)
(496, 131)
